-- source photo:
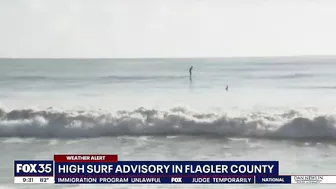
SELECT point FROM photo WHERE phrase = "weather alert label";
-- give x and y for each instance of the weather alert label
(34, 171)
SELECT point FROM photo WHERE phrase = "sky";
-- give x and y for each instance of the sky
(166, 28)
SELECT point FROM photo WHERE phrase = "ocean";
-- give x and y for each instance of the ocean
(276, 108)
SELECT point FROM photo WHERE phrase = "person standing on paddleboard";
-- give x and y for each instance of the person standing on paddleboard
(190, 71)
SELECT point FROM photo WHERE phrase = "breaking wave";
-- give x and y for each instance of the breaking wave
(51, 123)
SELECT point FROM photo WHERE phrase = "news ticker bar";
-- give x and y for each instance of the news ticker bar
(298, 179)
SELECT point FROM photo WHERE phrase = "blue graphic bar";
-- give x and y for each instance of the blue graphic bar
(153, 180)
(169, 168)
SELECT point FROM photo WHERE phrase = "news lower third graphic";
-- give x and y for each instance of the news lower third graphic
(34, 171)
(107, 169)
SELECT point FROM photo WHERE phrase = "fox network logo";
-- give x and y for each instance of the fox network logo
(33, 168)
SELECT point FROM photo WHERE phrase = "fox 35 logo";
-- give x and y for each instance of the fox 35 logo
(37, 168)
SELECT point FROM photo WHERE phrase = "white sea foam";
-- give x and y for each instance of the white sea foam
(177, 121)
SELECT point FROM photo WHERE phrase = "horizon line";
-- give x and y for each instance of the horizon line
(210, 57)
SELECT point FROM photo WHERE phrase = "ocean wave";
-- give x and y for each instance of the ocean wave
(92, 78)
(286, 76)
(51, 123)
(135, 78)
(32, 77)
(317, 87)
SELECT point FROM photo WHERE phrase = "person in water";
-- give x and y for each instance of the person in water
(190, 71)
(227, 88)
